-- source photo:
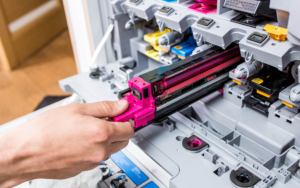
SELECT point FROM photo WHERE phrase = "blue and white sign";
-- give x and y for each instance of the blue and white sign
(129, 168)
(151, 185)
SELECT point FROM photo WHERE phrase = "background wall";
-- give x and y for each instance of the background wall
(37, 75)
(26, 27)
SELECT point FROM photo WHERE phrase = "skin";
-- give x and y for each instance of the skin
(63, 142)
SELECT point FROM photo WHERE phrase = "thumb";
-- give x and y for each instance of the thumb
(105, 109)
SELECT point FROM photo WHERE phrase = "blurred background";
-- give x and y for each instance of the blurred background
(35, 53)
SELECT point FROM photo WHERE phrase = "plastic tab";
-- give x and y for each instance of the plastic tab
(288, 104)
(158, 48)
(141, 105)
(235, 81)
(153, 38)
(185, 49)
(264, 94)
(276, 33)
(180, 57)
(152, 54)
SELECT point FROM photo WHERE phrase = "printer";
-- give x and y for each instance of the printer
(213, 87)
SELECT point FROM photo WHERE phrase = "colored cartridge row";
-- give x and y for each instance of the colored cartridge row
(181, 50)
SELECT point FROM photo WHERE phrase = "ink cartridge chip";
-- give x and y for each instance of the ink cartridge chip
(166, 10)
(205, 22)
(136, 2)
(258, 39)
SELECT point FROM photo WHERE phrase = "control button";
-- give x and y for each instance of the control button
(276, 33)
(257, 37)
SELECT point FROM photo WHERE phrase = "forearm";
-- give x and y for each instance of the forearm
(11, 160)
(62, 142)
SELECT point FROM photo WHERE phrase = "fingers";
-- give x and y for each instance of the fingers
(117, 146)
(105, 109)
(122, 131)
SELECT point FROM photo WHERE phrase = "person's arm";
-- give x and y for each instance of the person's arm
(62, 142)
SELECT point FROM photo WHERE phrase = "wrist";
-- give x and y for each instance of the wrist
(11, 159)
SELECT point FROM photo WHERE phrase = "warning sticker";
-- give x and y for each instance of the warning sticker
(257, 81)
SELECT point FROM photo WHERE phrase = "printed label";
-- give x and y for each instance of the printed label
(257, 81)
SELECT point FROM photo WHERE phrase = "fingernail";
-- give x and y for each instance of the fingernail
(122, 103)
(132, 123)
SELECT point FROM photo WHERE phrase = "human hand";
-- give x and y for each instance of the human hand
(63, 142)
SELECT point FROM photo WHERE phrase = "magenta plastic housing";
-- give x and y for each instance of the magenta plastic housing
(205, 6)
(141, 103)
(204, 66)
(208, 2)
(205, 9)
